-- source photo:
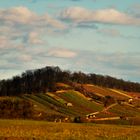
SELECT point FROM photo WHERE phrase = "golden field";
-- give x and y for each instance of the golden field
(41, 130)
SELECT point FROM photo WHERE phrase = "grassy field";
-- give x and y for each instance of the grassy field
(56, 102)
(41, 130)
(80, 102)
(125, 111)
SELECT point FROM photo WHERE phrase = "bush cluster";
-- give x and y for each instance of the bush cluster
(11, 107)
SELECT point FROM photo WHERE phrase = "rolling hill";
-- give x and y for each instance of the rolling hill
(54, 95)
(69, 103)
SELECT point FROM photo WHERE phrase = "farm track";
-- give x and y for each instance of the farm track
(108, 118)
(104, 110)
(121, 93)
(107, 108)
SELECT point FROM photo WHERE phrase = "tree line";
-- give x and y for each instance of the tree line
(45, 79)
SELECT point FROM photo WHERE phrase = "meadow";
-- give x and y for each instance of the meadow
(42, 130)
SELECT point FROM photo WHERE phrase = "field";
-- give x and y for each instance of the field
(53, 115)
(101, 91)
(125, 111)
(55, 103)
(53, 108)
(69, 103)
(41, 130)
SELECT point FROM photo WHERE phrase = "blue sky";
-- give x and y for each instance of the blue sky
(99, 36)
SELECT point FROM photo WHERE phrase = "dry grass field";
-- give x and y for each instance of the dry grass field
(41, 130)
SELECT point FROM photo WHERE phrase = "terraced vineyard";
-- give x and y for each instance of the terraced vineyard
(57, 102)
(125, 110)
(80, 102)
(101, 91)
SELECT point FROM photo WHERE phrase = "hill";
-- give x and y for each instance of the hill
(55, 95)
(95, 104)
(45, 79)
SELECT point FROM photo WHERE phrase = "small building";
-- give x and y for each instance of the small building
(35, 106)
(130, 100)
(69, 104)
(92, 115)
(121, 101)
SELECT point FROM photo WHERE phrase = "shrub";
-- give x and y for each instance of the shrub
(12, 107)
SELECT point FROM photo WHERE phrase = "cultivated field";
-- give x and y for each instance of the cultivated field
(41, 130)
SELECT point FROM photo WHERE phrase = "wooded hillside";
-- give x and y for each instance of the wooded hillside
(43, 80)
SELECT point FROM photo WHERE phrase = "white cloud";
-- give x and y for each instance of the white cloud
(62, 53)
(25, 58)
(3, 41)
(22, 15)
(21, 25)
(112, 32)
(34, 38)
(110, 16)
(121, 65)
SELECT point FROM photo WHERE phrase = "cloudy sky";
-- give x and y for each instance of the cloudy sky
(99, 36)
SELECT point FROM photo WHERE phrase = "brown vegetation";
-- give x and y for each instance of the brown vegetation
(11, 107)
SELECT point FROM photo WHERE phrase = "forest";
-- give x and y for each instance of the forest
(45, 79)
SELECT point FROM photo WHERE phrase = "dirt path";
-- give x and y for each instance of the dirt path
(108, 118)
(121, 93)
(104, 110)
(107, 108)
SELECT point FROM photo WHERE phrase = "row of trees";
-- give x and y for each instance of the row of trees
(43, 80)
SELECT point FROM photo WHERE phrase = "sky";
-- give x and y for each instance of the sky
(92, 36)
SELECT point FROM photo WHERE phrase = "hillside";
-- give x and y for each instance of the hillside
(50, 94)
(45, 79)
(68, 105)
